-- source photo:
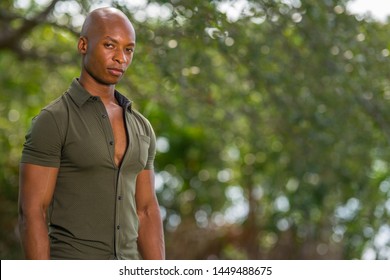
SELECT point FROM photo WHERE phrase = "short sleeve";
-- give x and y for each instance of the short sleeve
(43, 141)
(152, 149)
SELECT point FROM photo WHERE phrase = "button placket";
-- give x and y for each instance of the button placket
(111, 142)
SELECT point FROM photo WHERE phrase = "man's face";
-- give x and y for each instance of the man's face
(109, 51)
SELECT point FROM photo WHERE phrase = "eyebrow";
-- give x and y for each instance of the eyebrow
(116, 41)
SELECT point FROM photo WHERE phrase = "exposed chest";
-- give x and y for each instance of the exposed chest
(117, 121)
(99, 137)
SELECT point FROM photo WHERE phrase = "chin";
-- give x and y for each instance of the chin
(108, 82)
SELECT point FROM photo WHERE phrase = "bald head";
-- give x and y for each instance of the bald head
(106, 43)
(100, 19)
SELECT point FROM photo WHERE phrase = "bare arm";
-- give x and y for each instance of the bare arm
(150, 234)
(36, 188)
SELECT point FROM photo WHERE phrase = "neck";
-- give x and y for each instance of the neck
(105, 92)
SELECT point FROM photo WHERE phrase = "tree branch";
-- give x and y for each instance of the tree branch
(12, 38)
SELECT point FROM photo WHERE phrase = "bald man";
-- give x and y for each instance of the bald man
(86, 172)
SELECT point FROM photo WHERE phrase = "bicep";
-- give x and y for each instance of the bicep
(145, 194)
(36, 186)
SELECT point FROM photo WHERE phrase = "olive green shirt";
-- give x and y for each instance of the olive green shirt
(93, 212)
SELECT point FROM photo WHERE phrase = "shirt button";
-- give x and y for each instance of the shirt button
(111, 143)
(94, 98)
(119, 197)
(104, 116)
(118, 227)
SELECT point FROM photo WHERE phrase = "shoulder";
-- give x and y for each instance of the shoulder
(57, 106)
(57, 110)
(142, 121)
(53, 118)
(140, 117)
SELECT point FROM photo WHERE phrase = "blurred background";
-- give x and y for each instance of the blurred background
(272, 119)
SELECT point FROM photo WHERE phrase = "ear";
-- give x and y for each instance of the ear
(82, 45)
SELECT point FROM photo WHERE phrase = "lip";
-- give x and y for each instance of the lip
(116, 71)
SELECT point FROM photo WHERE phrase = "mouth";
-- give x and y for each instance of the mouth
(116, 71)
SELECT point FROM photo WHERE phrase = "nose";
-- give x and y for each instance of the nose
(120, 57)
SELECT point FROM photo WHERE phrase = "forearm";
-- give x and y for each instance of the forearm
(34, 237)
(36, 188)
(150, 235)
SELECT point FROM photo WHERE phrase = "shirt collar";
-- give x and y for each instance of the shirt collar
(123, 101)
(80, 96)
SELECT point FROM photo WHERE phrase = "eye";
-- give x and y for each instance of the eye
(109, 45)
(129, 50)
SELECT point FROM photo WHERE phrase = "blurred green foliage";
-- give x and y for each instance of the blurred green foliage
(272, 120)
